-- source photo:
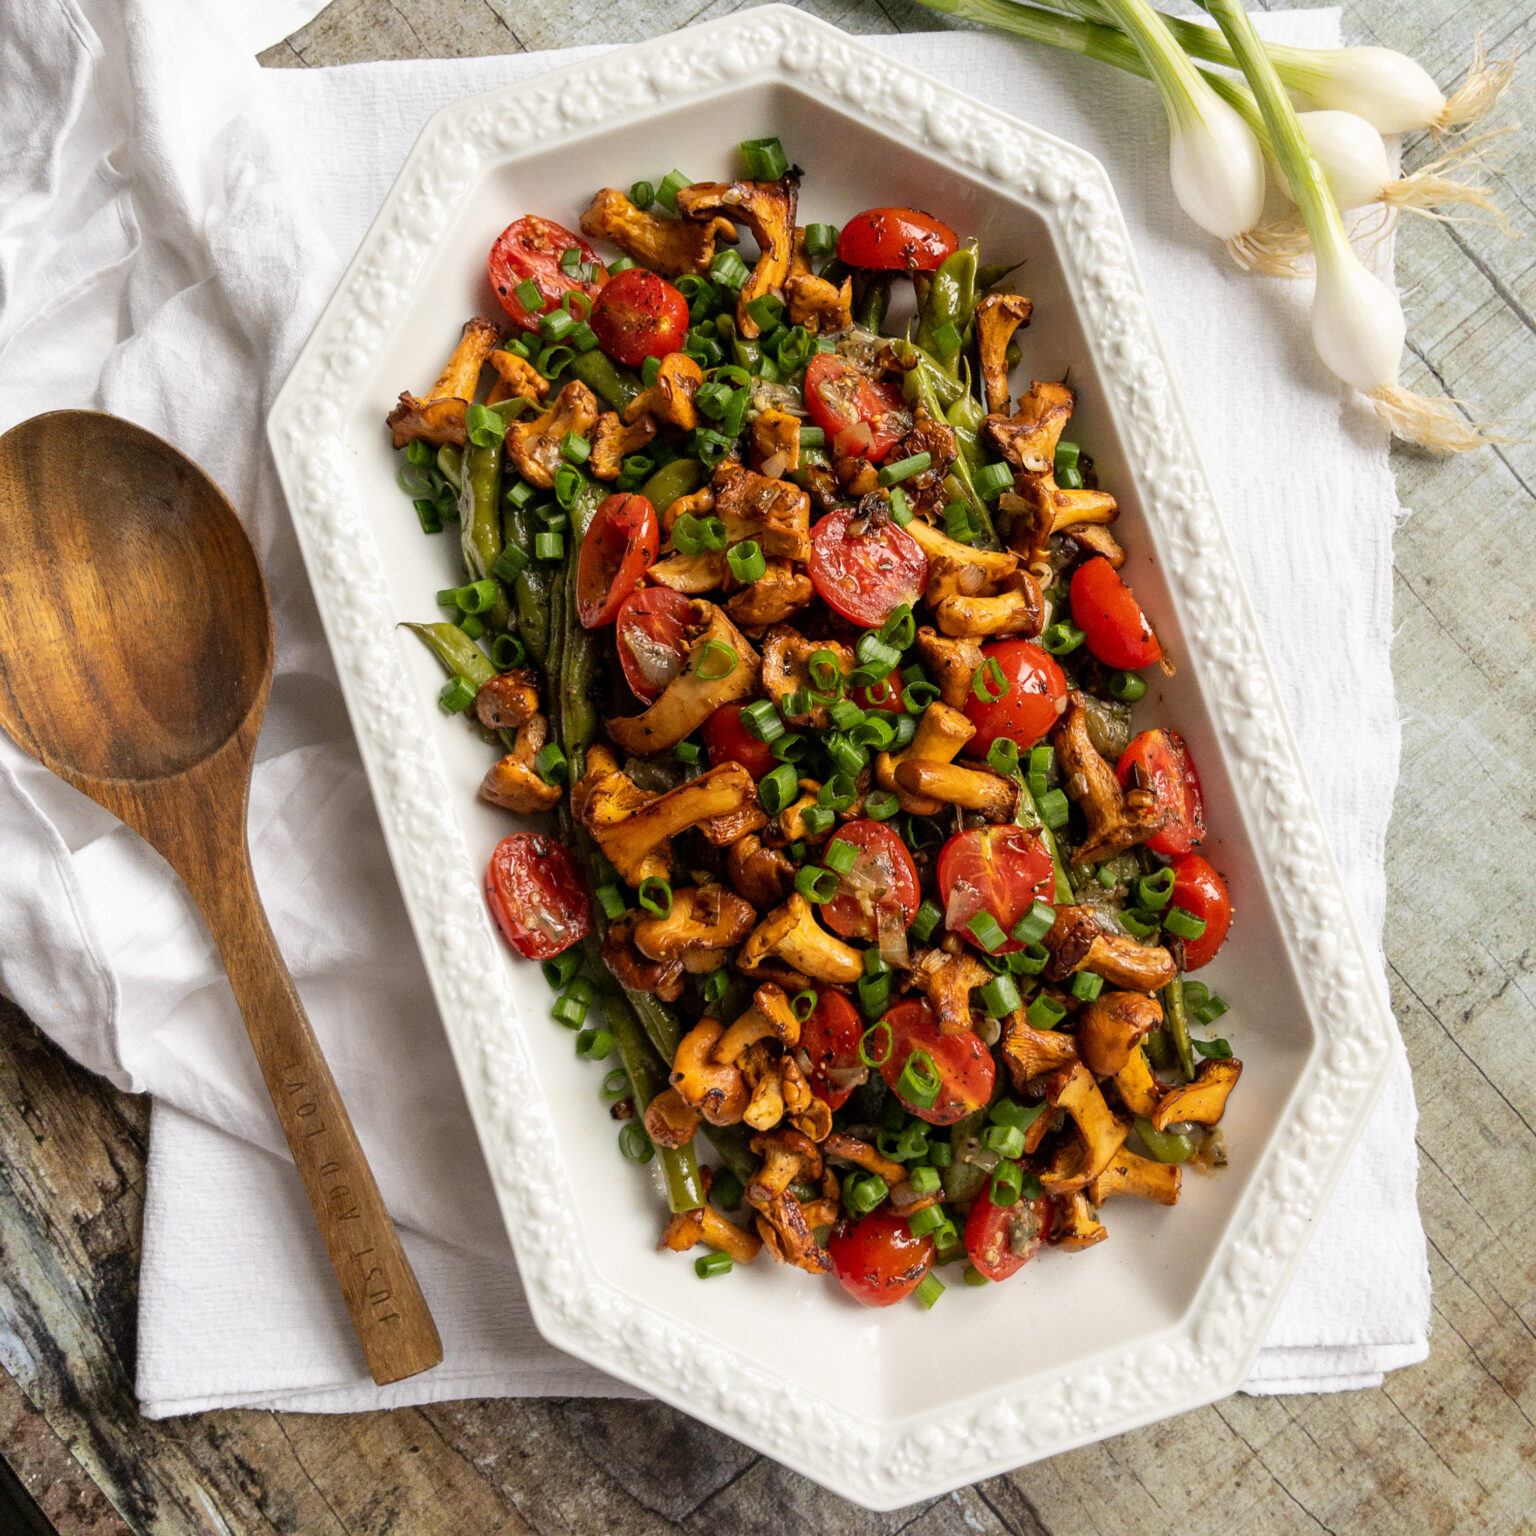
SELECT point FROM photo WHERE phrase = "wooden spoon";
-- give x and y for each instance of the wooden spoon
(135, 661)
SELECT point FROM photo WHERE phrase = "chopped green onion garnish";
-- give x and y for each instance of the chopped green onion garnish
(881, 805)
(552, 360)
(762, 720)
(846, 757)
(1035, 923)
(1127, 687)
(988, 683)
(778, 788)
(874, 651)
(550, 764)
(766, 309)
(1000, 997)
(817, 819)
(717, 660)
(764, 159)
(874, 995)
(1062, 639)
(655, 895)
(925, 1180)
(1208, 1012)
(716, 985)
(555, 325)
(904, 469)
(1045, 1012)
(611, 899)
(875, 730)
(875, 1047)
(1030, 960)
(901, 513)
(974, 1276)
(1086, 986)
(1007, 1185)
(594, 1045)
(747, 562)
(671, 184)
(529, 296)
(928, 917)
(1005, 1140)
(1053, 808)
(820, 238)
(845, 714)
(1066, 455)
(987, 932)
(509, 563)
(919, 1082)
(642, 195)
(616, 1084)
(635, 1144)
(1069, 479)
(991, 480)
(548, 546)
(863, 1192)
(1155, 891)
(562, 968)
(825, 673)
(928, 1291)
(1003, 756)
(730, 271)
(471, 626)
(710, 1264)
(650, 371)
(689, 752)
(458, 693)
(840, 857)
(803, 1004)
(817, 885)
(483, 426)
(570, 1007)
(1218, 1049)
(1140, 925)
(927, 1221)
(1183, 924)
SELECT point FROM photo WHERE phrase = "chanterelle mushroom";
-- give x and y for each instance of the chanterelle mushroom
(1074, 1225)
(786, 670)
(508, 700)
(1117, 818)
(516, 378)
(670, 1121)
(998, 316)
(704, 920)
(793, 935)
(778, 594)
(1139, 1090)
(767, 208)
(947, 981)
(718, 1092)
(512, 782)
(769, 1016)
(1203, 1101)
(764, 876)
(670, 398)
(1073, 1089)
(977, 591)
(1031, 1053)
(1128, 1174)
(1112, 1026)
(954, 662)
(774, 513)
(812, 301)
(613, 440)
(941, 732)
(534, 445)
(439, 418)
(637, 972)
(668, 246)
(710, 678)
(1078, 943)
(686, 1229)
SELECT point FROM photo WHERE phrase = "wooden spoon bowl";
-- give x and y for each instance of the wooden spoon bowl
(135, 662)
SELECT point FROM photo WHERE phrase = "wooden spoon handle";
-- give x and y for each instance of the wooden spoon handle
(393, 1324)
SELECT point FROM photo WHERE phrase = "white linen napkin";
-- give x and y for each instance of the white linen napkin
(171, 220)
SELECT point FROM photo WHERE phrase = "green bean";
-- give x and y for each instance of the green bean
(875, 301)
(679, 1165)
(993, 272)
(531, 586)
(450, 463)
(963, 1180)
(613, 385)
(460, 656)
(1165, 1146)
(950, 300)
(965, 416)
(937, 384)
(1177, 1022)
(480, 535)
(921, 387)
(1028, 815)
(682, 477)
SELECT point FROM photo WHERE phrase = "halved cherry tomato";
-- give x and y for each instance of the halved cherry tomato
(1159, 761)
(886, 695)
(621, 544)
(1002, 1239)
(1035, 693)
(1202, 893)
(830, 1040)
(865, 575)
(652, 634)
(530, 247)
(726, 740)
(895, 240)
(877, 1260)
(964, 1065)
(1113, 625)
(841, 398)
(640, 315)
(1001, 870)
(883, 875)
(536, 896)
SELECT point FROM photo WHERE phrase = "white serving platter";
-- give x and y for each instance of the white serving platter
(893, 1406)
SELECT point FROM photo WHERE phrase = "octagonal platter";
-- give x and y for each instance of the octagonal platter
(883, 1407)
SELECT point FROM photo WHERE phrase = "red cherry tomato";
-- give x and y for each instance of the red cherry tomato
(652, 634)
(621, 544)
(895, 240)
(1202, 893)
(883, 874)
(1002, 1239)
(1001, 870)
(536, 896)
(726, 739)
(1113, 625)
(841, 398)
(1034, 695)
(530, 248)
(639, 315)
(830, 1040)
(964, 1065)
(865, 575)
(877, 1260)
(886, 695)
(1159, 761)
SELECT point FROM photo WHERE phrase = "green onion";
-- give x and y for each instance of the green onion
(530, 296)
(1006, 1112)
(1045, 1012)
(762, 720)
(1208, 1012)
(561, 969)
(845, 714)
(642, 195)
(899, 629)
(974, 1276)
(568, 484)
(906, 729)
(1062, 639)
(594, 1045)
(1035, 923)
(863, 1192)
(1070, 479)
(458, 693)
(552, 360)
(1140, 925)
(840, 857)
(1127, 687)
(1086, 986)
(764, 159)
(925, 1180)
(928, 917)
(825, 673)
(1003, 756)
(1053, 808)
(556, 325)
(778, 788)
(747, 562)
(655, 895)
(483, 426)
(987, 932)
(991, 480)
(730, 271)
(876, 730)
(1000, 997)
(1218, 1049)
(715, 661)
(817, 885)
(611, 899)
(1066, 455)
(1007, 1185)
(789, 748)
(766, 309)
(916, 697)
(635, 1144)
(941, 1154)
(1183, 923)
(671, 184)
(961, 522)
(803, 1004)
(477, 596)
(919, 1082)
(616, 1084)
(875, 1048)
(910, 1145)
(874, 995)
(570, 1009)
(988, 683)
(574, 448)
(901, 513)
(904, 469)
(716, 985)
(881, 805)
(927, 1221)
(710, 1264)
(846, 757)
(817, 819)
(1030, 960)
(1155, 891)
(509, 564)
(820, 238)
(550, 764)
(471, 626)
(650, 371)
(431, 519)
(812, 437)
(874, 652)
(1005, 1140)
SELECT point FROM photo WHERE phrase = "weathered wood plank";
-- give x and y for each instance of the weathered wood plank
(1445, 1447)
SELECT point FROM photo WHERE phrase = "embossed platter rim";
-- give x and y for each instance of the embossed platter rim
(1216, 1315)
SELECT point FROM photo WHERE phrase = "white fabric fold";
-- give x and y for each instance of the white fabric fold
(171, 220)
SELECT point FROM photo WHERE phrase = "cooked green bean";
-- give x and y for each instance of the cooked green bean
(1028, 815)
(531, 586)
(460, 656)
(963, 1180)
(1165, 1146)
(876, 300)
(480, 535)
(614, 385)
(682, 477)
(1176, 1020)
(949, 302)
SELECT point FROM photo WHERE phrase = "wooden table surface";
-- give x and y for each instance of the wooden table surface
(1446, 1446)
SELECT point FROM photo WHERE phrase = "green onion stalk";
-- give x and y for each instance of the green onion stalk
(1357, 320)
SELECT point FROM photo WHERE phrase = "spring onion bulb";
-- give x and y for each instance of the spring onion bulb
(1392, 92)
(1357, 321)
